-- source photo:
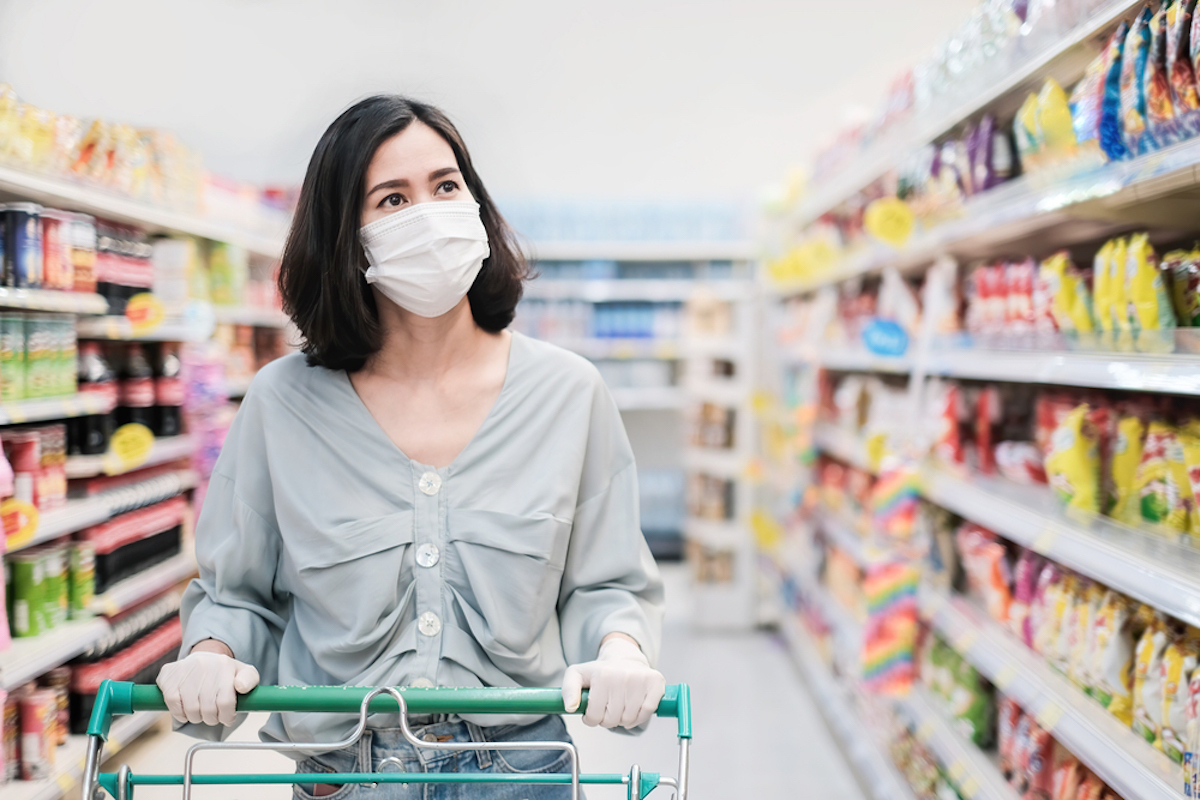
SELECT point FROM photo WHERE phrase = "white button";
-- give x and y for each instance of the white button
(422, 683)
(428, 555)
(429, 624)
(430, 483)
(429, 737)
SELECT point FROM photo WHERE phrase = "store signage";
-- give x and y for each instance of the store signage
(129, 448)
(883, 337)
(890, 220)
(145, 313)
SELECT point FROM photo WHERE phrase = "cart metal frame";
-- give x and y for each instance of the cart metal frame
(122, 698)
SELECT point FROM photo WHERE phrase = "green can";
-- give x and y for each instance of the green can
(28, 592)
(55, 604)
(39, 360)
(81, 579)
(12, 357)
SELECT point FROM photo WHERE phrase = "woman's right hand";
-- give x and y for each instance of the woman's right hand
(203, 687)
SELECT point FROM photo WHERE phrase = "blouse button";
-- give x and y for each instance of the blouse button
(428, 555)
(429, 624)
(430, 483)
(422, 683)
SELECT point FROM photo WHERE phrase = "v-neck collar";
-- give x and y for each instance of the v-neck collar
(514, 338)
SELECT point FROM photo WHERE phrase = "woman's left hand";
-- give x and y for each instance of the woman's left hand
(623, 688)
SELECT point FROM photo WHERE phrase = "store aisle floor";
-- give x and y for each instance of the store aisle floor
(758, 733)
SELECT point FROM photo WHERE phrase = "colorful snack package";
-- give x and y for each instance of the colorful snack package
(1112, 137)
(1071, 302)
(1191, 756)
(1039, 764)
(972, 705)
(1008, 719)
(1147, 679)
(1184, 92)
(1020, 462)
(1126, 458)
(1190, 439)
(1043, 612)
(985, 562)
(1068, 774)
(1102, 294)
(1025, 583)
(1122, 325)
(1183, 268)
(1019, 317)
(1180, 660)
(1113, 667)
(1160, 108)
(1073, 466)
(1055, 130)
(1084, 607)
(1150, 308)
(993, 161)
(1065, 618)
(1025, 131)
(1022, 741)
(1162, 498)
(1088, 670)
(1133, 89)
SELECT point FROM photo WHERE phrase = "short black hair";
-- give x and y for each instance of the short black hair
(321, 277)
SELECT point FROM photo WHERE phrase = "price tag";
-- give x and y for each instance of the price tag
(963, 642)
(624, 350)
(666, 351)
(1045, 541)
(21, 518)
(889, 220)
(969, 786)
(956, 771)
(925, 731)
(145, 313)
(1005, 677)
(1049, 715)
(129, 448)
(876, 450)
(66, 782)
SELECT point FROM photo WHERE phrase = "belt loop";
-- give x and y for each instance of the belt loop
(483, 757)
(365, 762)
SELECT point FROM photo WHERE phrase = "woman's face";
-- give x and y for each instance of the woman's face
(414, 166)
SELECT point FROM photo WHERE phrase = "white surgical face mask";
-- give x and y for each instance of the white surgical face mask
(426, 257)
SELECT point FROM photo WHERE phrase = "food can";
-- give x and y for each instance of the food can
(22, 245)
(54, 597)
(39, 362)
(69, 356)
(83, 252)
(58, 680)
(12, 738)
(81, 579)
(28, 590)
(12, 358)
(39, 718)
(58, 268)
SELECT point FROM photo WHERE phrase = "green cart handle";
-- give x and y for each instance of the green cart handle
(122, 698)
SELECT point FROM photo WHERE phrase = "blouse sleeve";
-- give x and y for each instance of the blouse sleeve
(237, 547)
(611, 583)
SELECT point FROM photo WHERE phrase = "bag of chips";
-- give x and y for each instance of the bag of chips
(1025, 582)
(1071, 302)
(1150, 309)
(1160, 108)
(1073, 590)
(1068, 774)
(1126, 458)
(1073, 466)
(1180, 660)
(972, 704)
(1084, 609)
(1191, 756)
(1184, 92)
(1189, 437)
(1008, 721)
(1147, 679)
(1122, 324)
(1113, 666)
(1183, 269)
(1055, 130)
(1164, 501)
(1043, 612)
(1133, 90)
(1025, 132)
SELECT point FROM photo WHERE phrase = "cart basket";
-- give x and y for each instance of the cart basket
(116, 698)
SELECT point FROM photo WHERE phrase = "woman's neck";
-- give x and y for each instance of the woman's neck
(423, 349)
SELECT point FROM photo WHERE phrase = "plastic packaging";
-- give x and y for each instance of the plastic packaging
(1043, 612)
(1150, 306)
(1161, 122)
(1126, 458)
(1163, 499)
(1184, 93)
(1180, 660)
(1133, 95)
(1113, 667)
(1055, 130)
(1147, 680)
(1071, 304)
(1073, 466)
(1183, 269)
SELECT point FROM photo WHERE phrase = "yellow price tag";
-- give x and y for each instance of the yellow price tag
(969, 787)
(925, 731)
(1049, 715)
(16, 413)
(956, 771)
(145, 313)
(1045, 541)
(66, 782)
(129, 448)
(890, 220)
(876, 450)
(1005, 677)
(963, 642)
(21, 518)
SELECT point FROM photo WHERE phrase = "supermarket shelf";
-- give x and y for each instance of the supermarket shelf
(1175, 374)
(725, 348)
(641, 251)
(75, 515)
(597, 348)
(841, 533)
(77, 197)
(1120, 757)
(153, 581)
(655, 398)
(69, 759)
(729, 393)
(715, 533)
(1145, 565)
(847, 359)
(1066, 60)
(119, 328)
(28, 658)
(977, 777)
(47, 408)
(46, 300)
(249, 315)
(166, 450)
(712, 461)
(874, 768)
(634, 290)
(842, 445)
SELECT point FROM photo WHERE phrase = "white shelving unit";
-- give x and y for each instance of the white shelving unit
(146, 584)
(47, 408)
(667, 398)
(116, 328)
(1120, 757)
(642, 251)
(165, 450)
(249, 315)
(54, 301)
(31, 657)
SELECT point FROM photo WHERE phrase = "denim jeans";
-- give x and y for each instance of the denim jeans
(379, 744)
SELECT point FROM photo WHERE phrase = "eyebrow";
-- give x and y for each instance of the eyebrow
(402, 183)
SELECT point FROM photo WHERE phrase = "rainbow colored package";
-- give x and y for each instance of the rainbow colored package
(890, 635)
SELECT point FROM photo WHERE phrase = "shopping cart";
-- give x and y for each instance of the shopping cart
(117, 698)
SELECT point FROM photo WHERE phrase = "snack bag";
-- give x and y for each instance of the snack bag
(1190, 439)
(1150, 308)
(1071, 303)
(1008, 719)
(1160, 108)
(1066, 617)
(35, 139)
(1022, 742)
(1113, 665)
(971, 704)
(1025, 131)
(1090, 788)
(1126, 458)
(1112, 137)
(984, 561)
(1184, 93)
(1043, 613)
(1183, 269)
(1102, 294)
(1087, 672)
(1163, 501)
(1133, 90)
(1067, 776)
(1039, 764)
(1180, 660)
(10, 124)
(1147, 680)
(1191, 757)
(1025, 582)
(1055, 130)
(1073, 466)
(1122, 325)
(1079, 618)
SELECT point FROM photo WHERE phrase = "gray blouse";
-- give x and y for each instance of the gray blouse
(328, 557)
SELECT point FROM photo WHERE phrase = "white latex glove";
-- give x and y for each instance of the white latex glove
(623, 689)
(204, 687)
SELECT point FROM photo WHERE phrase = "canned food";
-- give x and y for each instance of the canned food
(12, 358)
(39, 357)
(81, 579)
(28, 593)
(12, 738)
(54, 597)
(58, 268)
(83, 252)
(59, 681)
(39, 719)
(22, 245)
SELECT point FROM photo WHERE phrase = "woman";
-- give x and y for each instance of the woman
(422, 498)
